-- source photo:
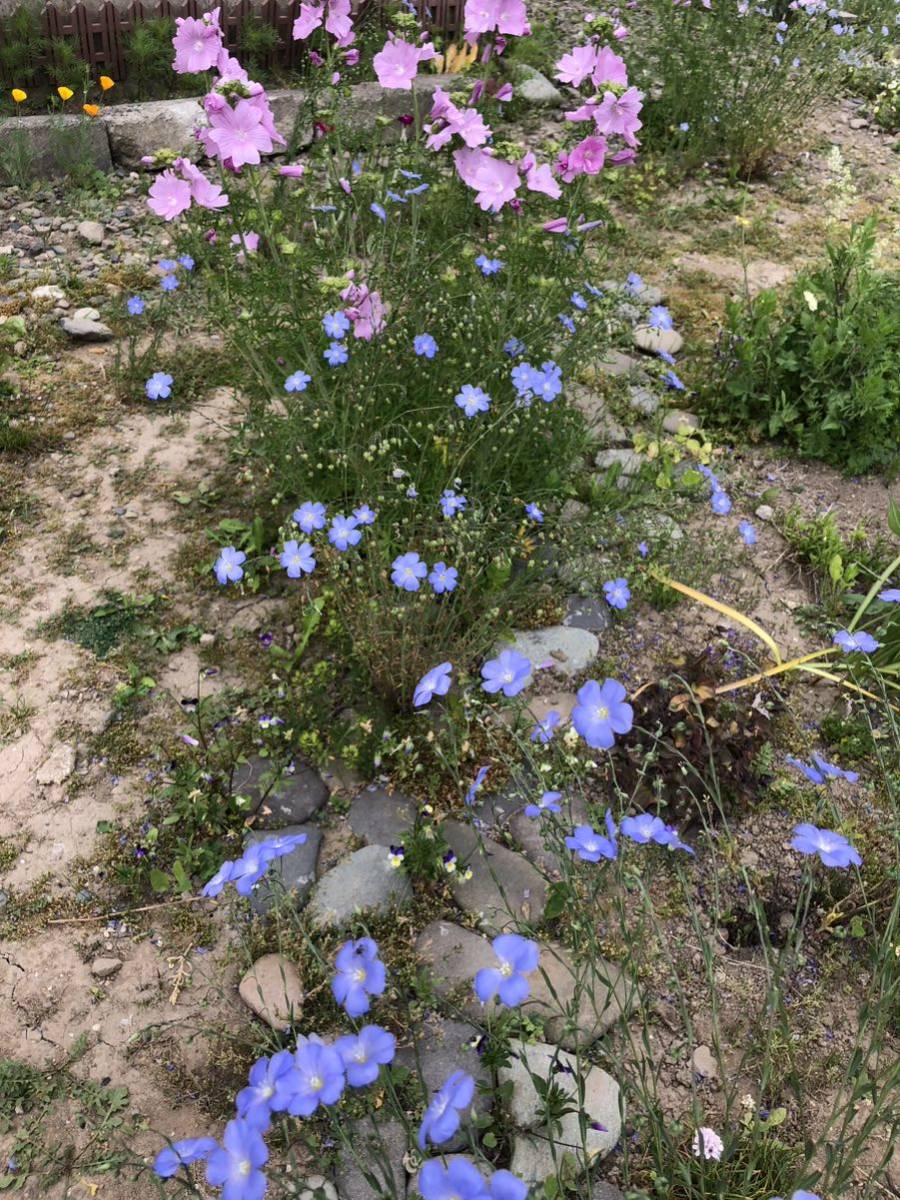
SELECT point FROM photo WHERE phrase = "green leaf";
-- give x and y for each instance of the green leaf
(159, 880)
(557, 900)
(181, 876)
(894, 516)
(836, 568)
(490, 1140)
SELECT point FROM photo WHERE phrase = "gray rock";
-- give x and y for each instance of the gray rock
(49, 137)
(48, 291)
(569, 648)
(104, 968)
(86, 331)
(538, 91)
(600, 420)
(584, 612)
(440, 1047)
(661, 525)
(652, 341)
(377, 1152)
(58, 766)
(594, 1092)
(86, 314)
(381, 819)
(573, 511)
(293, 874)
(617, 364)
(453, 955)
(704, 1063)
(505, 889)
(288, 798)
(765, 512)
(643, 400)
(678, 421)
(365, 881)
(139, 129)
(628, 313)
(92, 232)
(601, 1190)
(273, 989)
(629, 461)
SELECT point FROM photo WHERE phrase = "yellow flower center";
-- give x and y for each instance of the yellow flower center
(245, 1166)
(506, 969)
(316, 1083)
(360, 974)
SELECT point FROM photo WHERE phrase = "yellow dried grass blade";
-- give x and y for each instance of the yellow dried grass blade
(780, 669)
(725, 609)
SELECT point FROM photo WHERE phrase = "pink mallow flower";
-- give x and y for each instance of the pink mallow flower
(197, 43)
(578, 65)
(204, 192)
(609, 68)
(586, 158)
(619, 114)
(239, 134)
(169, 196)
(398, 61)
(506, 16)
(495, 180)
(365, 309)
(539, 177)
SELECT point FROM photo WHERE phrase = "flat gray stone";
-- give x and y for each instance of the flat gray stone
(629, 462)
(273, 990)
(538, 91)
(380, 818)
(91, 232)
(58, 766)
(533, 1160)
(652, 341)
(618, 364)
(50, 140)
(139, 129)
(601, 1190)
(364, 881)
(765, 512)
(453, 955)
(48, 291)
(678, 421)
(288, 798)
(569, 649)
(375, 1152)
(293, 874)
(440, 1047)
(83, 330)
(505, 889)
(584, 612)
(573, 511)
(86, 314)
(643, 400)
(600, 420)
(105, 967)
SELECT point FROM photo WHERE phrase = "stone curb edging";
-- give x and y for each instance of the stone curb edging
(122, 135)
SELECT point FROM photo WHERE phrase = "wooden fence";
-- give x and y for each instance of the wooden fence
(98, 32)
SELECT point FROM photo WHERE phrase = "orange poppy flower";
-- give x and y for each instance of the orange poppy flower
(106, 83)
(92, 110)
(18, 95)
(65, 93)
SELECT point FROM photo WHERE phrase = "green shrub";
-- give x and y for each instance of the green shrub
(21, 46)
(257, 42)
(148, 55)
(820, 366)
(735, 81)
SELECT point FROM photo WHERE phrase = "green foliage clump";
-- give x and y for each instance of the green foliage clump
(820, 367)
(148, 55)
(21, 46)
(734, 82)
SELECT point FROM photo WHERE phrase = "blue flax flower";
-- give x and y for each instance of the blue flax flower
(235, 1165)
(591, 846)
(832, 848)
(566, 321)
(364, 515)
(185, 260)
(407, 570)
(549, 802)
(310, 516)
(720, 502)
(360, 973)
(514, 347)
(442, 1117)
(424, 345)
(821, 770)
(344, 532)
(336, 354)
(378, 210)
(617, 593)
(475, 785)
(317, 1078)
(890, 596)
(254, 1102)
(458, 1180)
(364, 1052)
(443, 578)
(228, 566)
(748, 533)
(435, 682)
(135, 306)
(472, 400)
(517, 957)
(488, 266)
(578, 301)
(859, 641)
(336, 324)
(158, 386)
(169, 283)
(534, 513)
(543, 730)
(297, 559)
(660, 318)
(601, 713)
(452, 503)
(181, 1154)
(299, 381)
(670, 379)
(509, 672)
